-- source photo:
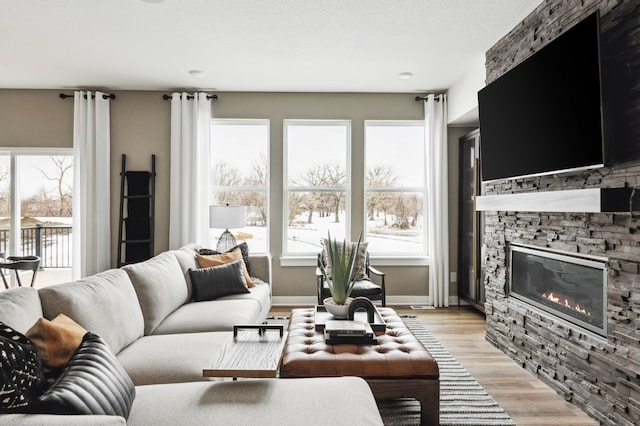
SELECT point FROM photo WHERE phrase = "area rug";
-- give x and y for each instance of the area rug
(462, 400)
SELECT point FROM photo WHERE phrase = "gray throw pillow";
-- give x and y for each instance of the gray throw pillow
(217, 281)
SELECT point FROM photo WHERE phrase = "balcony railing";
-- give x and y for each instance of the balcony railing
(51, 243)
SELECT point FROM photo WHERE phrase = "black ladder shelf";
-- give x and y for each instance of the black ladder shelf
(137, 189)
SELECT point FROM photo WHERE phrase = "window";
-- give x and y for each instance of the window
(395, 188)
(240, 176)
(317, 181)
(36, 217)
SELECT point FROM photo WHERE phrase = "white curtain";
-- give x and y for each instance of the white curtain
(91, 195)
(435, 124)
(190, 169)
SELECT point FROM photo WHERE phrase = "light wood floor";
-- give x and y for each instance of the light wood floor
(527, 400)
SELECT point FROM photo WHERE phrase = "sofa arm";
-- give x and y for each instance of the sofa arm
(62, 420)
(260, 265)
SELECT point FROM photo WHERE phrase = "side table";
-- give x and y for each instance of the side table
(254, 350)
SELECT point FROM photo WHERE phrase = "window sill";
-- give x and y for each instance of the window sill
(298, 260)
(375, 261)
(399, 260)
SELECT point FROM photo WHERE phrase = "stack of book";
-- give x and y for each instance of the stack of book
(347, 331)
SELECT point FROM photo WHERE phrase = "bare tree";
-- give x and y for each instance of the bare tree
(407, 207)
(225, 175)
(296, 206)
(257, 177)
(324, 176)
(312, 178)
(40, 204)
(380, 177)
(62, 166)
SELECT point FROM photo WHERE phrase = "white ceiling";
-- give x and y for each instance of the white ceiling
(249, 45)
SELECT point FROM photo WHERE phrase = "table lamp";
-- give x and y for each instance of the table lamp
(226, 217)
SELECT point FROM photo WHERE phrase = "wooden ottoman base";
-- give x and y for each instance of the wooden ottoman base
(397, 366)
(426, 391)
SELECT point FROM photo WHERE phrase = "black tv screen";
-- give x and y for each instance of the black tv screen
(544, 116)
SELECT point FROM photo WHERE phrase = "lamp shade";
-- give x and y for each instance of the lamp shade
(225, 217)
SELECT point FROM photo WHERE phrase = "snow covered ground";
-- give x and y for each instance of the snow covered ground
(305, 238)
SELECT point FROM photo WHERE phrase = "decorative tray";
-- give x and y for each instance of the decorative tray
(321, 316)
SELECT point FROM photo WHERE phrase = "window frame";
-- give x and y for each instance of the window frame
(397, 258)
(247, 188)
(302, 258)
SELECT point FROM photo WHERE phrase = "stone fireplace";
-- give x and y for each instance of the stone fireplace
(570, 287)
(597, 370)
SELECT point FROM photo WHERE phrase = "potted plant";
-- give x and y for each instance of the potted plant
(341, 259)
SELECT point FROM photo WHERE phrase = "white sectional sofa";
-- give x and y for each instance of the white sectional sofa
(162, 339)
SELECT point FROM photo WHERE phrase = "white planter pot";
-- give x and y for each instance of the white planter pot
(338, 311)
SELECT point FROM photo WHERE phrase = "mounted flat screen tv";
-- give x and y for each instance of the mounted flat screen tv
(544, 116)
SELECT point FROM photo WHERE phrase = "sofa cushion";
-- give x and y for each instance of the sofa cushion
(187, 259)
(21, 377)
(20, 307)
(56, 342)
(160, 287)
(220, 314)
(206, 261)
(265, 402)
(105, 304)
(170, 358)
(217, 281)
(93, 382)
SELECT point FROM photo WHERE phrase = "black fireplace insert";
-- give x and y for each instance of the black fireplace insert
(568, 286)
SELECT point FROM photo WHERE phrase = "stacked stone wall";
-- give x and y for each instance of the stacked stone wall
(600, 375)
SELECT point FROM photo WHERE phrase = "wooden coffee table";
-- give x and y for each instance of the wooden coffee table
(254, 350)
(396, 366)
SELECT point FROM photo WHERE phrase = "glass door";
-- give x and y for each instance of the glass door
(470, 282)
(36, 215)
(5, 202)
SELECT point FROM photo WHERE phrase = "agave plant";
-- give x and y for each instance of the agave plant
(341, 261)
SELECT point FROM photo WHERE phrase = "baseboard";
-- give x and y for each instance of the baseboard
(391, 300)
(293, 300)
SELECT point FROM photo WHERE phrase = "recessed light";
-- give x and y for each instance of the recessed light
(405, 75)
(196, 73)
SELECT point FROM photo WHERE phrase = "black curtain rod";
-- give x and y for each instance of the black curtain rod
(111, 96)
(418, 99)
(210, 97)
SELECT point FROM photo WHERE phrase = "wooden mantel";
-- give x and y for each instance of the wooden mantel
(590, 200)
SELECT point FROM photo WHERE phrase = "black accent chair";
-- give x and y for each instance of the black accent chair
(20, 263)
(366, 288)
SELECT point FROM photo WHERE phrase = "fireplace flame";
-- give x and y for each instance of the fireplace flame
(566, 302)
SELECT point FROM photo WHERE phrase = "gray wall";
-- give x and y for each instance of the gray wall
(140, 126)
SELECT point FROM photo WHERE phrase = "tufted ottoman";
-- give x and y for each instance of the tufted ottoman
(398, 366)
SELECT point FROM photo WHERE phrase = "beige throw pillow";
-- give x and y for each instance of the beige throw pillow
(56, 340)
(359, 269)
(206, 261)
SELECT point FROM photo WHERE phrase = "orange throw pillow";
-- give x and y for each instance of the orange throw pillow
(206, 261)
(57, 340)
